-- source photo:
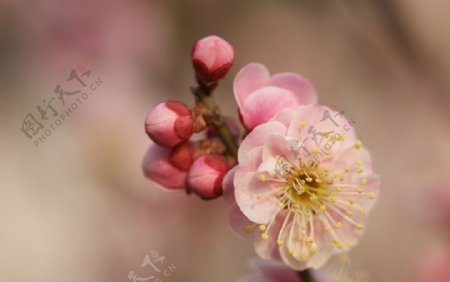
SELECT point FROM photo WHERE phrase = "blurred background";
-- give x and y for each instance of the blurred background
(76, 207)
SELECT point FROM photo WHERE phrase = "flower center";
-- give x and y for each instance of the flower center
(305, 187)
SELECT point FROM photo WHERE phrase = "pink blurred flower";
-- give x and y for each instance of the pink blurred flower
(433, 204)
(212, 58)
(275, 271)
(435, 265)
(270, 271)
(260, 96)
(169, 123)
(158, 168)
(206, 175)
(305, 184)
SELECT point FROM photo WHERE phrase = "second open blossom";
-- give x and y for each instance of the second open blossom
(304, 185)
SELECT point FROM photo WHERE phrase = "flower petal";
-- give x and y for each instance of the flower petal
(264, 103)
(249, 79)
(302, 89)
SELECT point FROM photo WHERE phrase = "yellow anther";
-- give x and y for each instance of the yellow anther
(303, 256)
(358, 144)
(359, 190)
(363, 211)
(350, 201)
(350, 244)
(338, 189)
(259, 196)
(309, 179)
(262, 177)
(264, 236)
(318, 180)
(327, 228)
(308, 240)
(313, 250)
(325, 170)
(280, 242)
(349, 212)
(338, 225)
(262, 227)
(249, 229)
(371, 195)
(338, 244)
(333, 199)
(313, 197)
(290, 251)
(359, 162)
(347, 170)
(363, 181)
(302, 181)
(303, 124)
(281, 206)
(315, 151)
(359, 226)
(323, 207)
(359, 170)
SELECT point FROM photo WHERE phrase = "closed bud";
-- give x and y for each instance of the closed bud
(169, 123)
(182, 156)
(212, 58)
(206, 175)
(158, 168)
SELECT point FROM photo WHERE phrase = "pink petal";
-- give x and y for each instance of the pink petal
(279, 146)
(247, 186)
(228, 186)
(264, 103)
(258, 137)
(248, 79)
(302, 89)
(239, 222)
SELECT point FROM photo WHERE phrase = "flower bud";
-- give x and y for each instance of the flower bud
(158, 168)
(212, 58)
(169, 123)
(206, 175)
(182, 156)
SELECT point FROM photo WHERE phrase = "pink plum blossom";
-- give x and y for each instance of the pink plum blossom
(275, 271)
(270, 271)
(303, 187)
(206, 175)
(260, 96)
(169, 123)
(158, 168)
(212, 58)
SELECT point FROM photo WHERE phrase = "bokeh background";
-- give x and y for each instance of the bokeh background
(78, 207)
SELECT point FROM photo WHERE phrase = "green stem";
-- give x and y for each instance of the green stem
(203, 95)
(306, 276)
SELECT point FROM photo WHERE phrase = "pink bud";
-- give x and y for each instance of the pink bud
(158, 168)
(212, 58)
(169, 123)
(182, 156)
(206, 175)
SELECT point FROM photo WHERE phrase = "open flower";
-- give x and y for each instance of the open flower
(260, 96)
(303, 186)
